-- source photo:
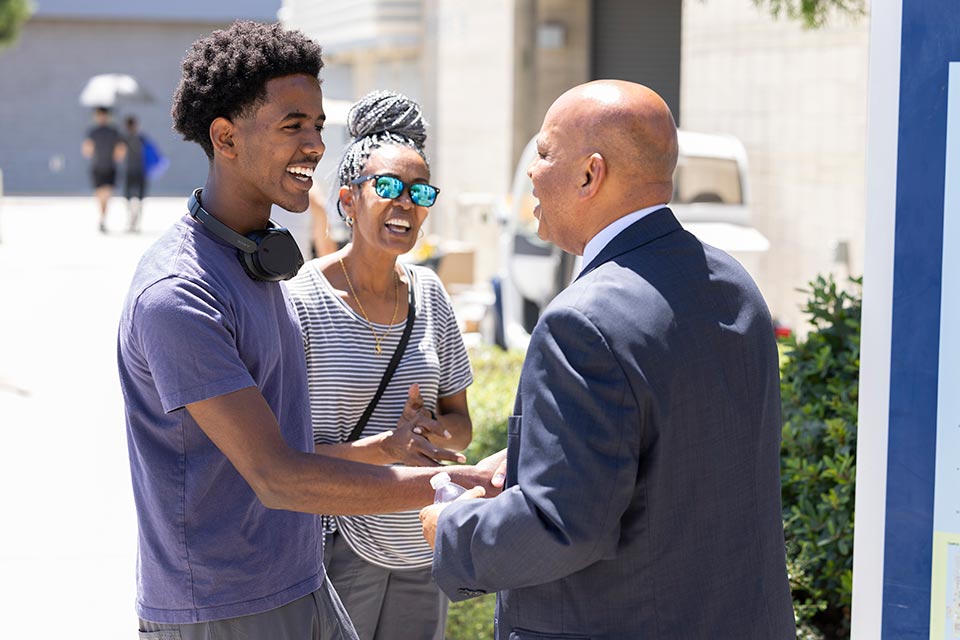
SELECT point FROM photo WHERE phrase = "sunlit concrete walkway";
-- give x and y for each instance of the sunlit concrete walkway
(68, 534)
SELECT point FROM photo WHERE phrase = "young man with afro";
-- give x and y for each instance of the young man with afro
(212, 368)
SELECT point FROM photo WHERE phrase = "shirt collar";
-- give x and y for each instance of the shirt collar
(612, 230)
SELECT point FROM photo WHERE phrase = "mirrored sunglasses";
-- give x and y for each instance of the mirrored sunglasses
(422, 194)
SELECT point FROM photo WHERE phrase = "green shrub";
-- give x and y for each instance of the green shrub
(818, 382)
(496, 374)
(471, 619)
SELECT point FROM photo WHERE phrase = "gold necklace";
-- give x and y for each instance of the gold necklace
(396, 306)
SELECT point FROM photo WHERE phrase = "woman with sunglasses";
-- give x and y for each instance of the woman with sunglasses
(353, 306)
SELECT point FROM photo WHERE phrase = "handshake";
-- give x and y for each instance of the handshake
(416, 441)
(493, 467)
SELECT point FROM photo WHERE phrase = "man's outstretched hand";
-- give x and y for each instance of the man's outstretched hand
(430, 514)
(492, 469)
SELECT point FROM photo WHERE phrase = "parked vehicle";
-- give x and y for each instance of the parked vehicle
(711, 199)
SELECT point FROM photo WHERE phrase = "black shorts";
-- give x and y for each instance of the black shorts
(104, 177)
(135, 187)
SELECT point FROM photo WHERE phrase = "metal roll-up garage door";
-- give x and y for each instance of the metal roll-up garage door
(639, 40)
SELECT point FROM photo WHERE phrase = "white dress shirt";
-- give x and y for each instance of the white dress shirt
(609, 232)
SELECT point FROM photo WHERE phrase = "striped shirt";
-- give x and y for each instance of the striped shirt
(344, 372)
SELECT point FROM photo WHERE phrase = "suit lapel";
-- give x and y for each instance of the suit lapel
(646, 229)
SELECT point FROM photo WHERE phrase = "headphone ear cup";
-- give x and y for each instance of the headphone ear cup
(277, 256)
(268, 255)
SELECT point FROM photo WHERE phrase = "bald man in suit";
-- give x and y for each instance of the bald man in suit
(642, 497)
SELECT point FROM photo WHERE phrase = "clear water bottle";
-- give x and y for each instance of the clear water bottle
(446, 489)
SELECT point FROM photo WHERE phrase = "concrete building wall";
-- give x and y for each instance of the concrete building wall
(474, 119)
(367, 44)
(209, 11)
(797, 100)
(474, 85)
(42, 75)
(344, 26)
(44, 124)
(560, 67)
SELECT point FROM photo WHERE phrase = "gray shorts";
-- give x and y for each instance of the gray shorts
(317, 616)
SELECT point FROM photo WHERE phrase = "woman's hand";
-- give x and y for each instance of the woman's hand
(408, 443)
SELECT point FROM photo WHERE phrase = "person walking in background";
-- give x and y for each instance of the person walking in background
(210, 354)
(359, 311)
(144, 163)
(135, 178)
(104, 148)
(643, 486)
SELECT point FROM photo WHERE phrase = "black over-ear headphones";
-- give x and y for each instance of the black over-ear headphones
(268, 255)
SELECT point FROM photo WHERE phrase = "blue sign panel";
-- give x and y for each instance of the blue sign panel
(926, 176)
(945, 586)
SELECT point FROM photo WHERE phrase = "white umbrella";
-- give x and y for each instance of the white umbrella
(108, 89)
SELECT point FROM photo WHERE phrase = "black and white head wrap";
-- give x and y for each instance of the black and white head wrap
(379, 119)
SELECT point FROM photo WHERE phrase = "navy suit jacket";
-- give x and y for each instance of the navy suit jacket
(643, 488)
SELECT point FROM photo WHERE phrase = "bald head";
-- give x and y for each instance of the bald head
(605, 149)
(630, 126)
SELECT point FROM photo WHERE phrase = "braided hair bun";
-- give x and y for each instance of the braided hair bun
(378, 119)
(387, 112)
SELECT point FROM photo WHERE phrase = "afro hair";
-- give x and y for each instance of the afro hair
(225, 74)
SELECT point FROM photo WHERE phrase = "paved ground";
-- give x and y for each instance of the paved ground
(68, 538)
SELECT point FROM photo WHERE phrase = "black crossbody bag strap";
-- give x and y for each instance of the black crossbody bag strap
(401, 347)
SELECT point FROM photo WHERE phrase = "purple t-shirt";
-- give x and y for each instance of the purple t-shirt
(195, 326)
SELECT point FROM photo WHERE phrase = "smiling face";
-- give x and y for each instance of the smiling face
(554, 173)
(278, 143)
(381, 223)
